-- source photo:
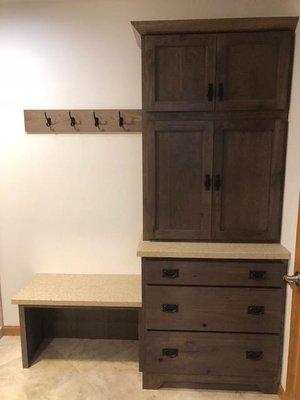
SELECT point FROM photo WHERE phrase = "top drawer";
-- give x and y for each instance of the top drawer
(213, 273)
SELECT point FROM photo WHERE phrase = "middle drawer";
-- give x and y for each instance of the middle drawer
(213, 309)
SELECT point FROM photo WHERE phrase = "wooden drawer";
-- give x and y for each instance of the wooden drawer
(213, 273)
(213, 309)
(207, 354)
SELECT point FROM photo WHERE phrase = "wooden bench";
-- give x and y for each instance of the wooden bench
(77, 306)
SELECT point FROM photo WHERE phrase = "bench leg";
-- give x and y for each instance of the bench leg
(31, 324)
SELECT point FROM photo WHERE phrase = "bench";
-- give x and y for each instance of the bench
(77, 306)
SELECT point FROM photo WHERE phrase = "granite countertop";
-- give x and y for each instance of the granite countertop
(262, 251)
(81, 290)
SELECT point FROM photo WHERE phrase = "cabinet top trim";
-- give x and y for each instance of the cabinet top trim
(215, 25)
(259, 251)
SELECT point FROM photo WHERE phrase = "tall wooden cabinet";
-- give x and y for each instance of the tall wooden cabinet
(215, 119)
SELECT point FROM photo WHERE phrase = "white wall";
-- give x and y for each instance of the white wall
(73, 203)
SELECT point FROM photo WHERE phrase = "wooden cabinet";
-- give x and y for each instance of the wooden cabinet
(178, 199)
(231, 71)
(253, 70)
(220, 180)
(249, 160)
(210, 325)
(179, 72)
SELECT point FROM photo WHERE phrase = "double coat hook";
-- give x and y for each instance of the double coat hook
(48, 120)
(72, 120)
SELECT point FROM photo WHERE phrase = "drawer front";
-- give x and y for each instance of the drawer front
(214, 273)
(219, 354)
(213, 309)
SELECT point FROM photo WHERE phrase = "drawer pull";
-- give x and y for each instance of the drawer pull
(254, 355)
(256, 310)
(170, 308)
(170, 273)
(171, 353)
(257, 275)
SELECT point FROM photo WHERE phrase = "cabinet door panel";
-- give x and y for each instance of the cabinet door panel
(253, 70)
(178, 72)
(249, 159)
(177, 199)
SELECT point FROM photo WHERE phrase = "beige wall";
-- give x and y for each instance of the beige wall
(73, 203)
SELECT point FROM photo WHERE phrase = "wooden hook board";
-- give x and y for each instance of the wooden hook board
(109, 121)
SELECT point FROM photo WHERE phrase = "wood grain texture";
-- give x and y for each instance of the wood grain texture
(35, 121)
(254, 69)
(159, 27)
(214, 309)
(249, 157)
(176, 202)
(191, 272)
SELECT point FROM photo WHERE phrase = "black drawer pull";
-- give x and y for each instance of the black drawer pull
(257, 275)
(170, 273)
(207, 182)
(254, 355)
(170, 308)
(217, 182)
(256, 310)
(172, 353)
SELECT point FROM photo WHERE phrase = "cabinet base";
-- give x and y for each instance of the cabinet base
(157, 381)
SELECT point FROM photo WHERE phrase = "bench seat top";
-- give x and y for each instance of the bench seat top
(81, 290)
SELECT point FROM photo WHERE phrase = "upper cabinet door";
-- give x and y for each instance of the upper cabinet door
(249, 161)
(179, 72)
(177, 180)
(253, 70)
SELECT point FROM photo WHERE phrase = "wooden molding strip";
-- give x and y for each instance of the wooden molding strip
(83, 121)
(215, 25)
(9, 330)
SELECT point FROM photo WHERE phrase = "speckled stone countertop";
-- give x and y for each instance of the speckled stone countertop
(81, 290)
(262, 251)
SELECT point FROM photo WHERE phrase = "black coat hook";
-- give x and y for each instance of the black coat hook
(48, 120)
(121, 120)
(97, 120)
(72, 120)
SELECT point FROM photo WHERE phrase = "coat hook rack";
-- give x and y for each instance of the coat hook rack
(83, 121)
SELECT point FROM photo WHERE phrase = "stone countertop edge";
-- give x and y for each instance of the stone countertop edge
(254, 251)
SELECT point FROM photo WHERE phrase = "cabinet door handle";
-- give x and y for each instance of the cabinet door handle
(170, 273)
(210, 92)
(170, 308)
(254, 355)
(221, 91)
(257, 275)
(207, 182)
(217, 182)
(256, 310)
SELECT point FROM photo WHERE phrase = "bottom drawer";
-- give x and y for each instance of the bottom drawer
(222, 354)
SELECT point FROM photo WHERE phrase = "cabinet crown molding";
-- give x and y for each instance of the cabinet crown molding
(158, 27)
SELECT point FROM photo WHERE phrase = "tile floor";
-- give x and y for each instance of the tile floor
(76, 369)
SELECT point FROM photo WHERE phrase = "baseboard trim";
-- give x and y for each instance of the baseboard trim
(10, 330)
(281, 392)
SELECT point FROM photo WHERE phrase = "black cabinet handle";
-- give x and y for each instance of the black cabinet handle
(256, 310)
(257, 275)
(210, 92)
(207, 182)
(217, 182)
(172, 353)
(170, 273)
(221, 91)
(170, 308)
(254, 355)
